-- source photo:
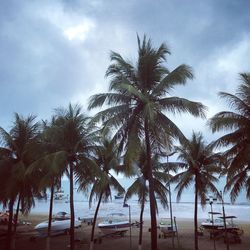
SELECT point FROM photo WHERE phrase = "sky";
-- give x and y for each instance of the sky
(56, 52)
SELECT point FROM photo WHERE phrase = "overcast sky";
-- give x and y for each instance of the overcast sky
(56, 52)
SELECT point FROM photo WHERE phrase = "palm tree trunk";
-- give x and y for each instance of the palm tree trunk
(151, 190)
(50, 215)
(141, 225)
(195, 217)
(15, 222)
(72, 212)
(9, 232)
(17, 213)
(94, 222)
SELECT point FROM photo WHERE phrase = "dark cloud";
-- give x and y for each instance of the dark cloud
(41, 68)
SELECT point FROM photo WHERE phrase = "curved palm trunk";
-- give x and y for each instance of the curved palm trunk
(15, 222)
(94, 222)
(72, 212)
(9, 232)
(141, 226)
(50, 215)
(151, 191)
(195, 217)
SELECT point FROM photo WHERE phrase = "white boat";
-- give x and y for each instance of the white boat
(61, 216)
(216, 224)
(114, 223)
(60, 195)
(166, 227)
(57, 227)
(213, 223)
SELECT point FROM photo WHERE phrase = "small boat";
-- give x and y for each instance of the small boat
(166, 227)
(213, 223)
(61, 216)
(209, 225)
(114, 223)
(119, 196)
(57, 227)
(60, 195)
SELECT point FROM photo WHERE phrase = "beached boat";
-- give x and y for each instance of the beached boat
(213, 223)
(119, 196)
(57, 226)
(209, 224)
(166, 227)
(114, 223)
(61, 216)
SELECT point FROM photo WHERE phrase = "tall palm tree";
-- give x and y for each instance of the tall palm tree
(106, 157)
(49, 168)
(72, 135)
(138, 98)
(20, 147)
(200, 165)
(237, 125)
(140, 185)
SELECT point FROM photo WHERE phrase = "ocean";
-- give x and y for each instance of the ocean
(181, 210)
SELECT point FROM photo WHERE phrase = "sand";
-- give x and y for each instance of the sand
(186, 239)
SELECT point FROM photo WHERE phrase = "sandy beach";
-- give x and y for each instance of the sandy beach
(185, 239)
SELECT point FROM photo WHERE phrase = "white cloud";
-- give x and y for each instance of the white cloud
(79, 31)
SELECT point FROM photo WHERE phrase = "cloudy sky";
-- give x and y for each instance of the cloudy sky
(56, 52)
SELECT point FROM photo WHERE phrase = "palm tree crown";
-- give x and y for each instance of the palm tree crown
(237, 123)
(138, 93)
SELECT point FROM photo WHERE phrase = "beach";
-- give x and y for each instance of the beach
(27, 237)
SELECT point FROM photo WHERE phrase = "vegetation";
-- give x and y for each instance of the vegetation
(201, 165)
(35, 155)
(237, 140)
(138, 98)
(140, 186)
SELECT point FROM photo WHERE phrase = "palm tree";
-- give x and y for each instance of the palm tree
(138, 98)
(237, 140)
(72, 135)
(140, 185)
(200, 164)
(106, 157)
(21, 146)
(49, 168)
(7, 193)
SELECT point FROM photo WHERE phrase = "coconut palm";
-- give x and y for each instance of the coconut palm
(21, 146)
(140, 185)
(138, 98)
(237, 140)
(106, 157)
(49, 168)
(72, 135)
(200, 165)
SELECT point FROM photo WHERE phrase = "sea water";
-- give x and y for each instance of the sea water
(181, 210)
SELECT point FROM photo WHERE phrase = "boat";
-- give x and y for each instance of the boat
(60, 195)
(114, 223)
(166, 227)
(61, 216)
(119, 196)
(213, 223)
(57, 227)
